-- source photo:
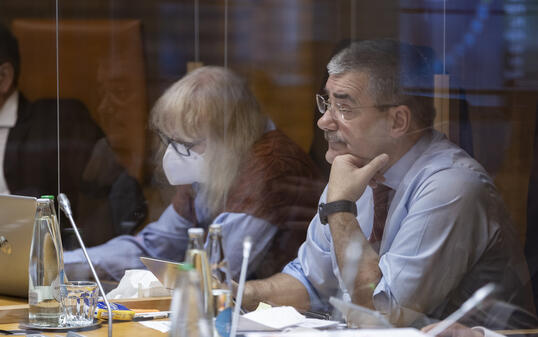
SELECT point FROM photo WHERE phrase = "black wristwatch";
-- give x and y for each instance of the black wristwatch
(327, 209)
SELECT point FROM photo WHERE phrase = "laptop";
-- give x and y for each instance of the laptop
(16, 229)
(164, 271)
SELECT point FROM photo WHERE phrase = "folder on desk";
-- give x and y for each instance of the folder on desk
(165, 271)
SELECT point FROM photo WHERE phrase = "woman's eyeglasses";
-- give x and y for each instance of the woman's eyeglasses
(181, 148)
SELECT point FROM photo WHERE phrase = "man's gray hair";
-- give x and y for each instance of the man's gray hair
(398, 73)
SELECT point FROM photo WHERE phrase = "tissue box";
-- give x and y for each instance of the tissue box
(138, 283)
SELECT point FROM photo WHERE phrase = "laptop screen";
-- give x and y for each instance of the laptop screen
(16, 228)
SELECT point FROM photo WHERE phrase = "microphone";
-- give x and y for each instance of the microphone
(247, 245)
(65, 206)
(477, 298)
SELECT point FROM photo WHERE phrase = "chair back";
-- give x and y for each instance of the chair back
(101, 64)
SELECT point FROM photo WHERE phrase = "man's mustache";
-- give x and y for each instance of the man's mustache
(332, 137)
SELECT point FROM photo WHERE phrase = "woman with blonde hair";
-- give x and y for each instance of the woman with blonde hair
(231, 166)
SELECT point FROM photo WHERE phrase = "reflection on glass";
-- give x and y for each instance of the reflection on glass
(484, 82)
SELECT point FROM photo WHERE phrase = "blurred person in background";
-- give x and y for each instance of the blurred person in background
(232, 166)
(29, 149)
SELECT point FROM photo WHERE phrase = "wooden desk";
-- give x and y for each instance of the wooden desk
(5, 300)
(14, 310)
(519, 332)
(118, 329)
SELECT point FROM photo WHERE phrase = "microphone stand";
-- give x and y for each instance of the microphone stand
(478, 296)
(247, 245)
(65, 206)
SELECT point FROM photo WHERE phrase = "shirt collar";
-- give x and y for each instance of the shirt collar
(270, 125)
(8, 112)
(396, 173)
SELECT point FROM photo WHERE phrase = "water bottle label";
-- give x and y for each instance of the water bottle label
(33, 297)
(55, 289)
(223, 322)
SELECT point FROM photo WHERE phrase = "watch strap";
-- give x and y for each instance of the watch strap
(324, 210)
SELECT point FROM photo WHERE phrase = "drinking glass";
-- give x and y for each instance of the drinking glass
(79, 300)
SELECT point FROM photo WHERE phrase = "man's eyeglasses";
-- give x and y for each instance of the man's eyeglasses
(345, 112)
(181, 148)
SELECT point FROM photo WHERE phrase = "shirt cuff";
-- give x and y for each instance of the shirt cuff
(294, 269)
(386, 304)
(486, 332)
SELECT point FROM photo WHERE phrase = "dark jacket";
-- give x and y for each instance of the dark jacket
(31, 165)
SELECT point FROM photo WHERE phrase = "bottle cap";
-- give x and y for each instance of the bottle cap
(185, 266)
(197, 231)
(215, 228)
(50, 197)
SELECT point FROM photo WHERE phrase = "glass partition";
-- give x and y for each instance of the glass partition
(158, 116)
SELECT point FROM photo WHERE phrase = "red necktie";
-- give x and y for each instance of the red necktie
(381, 207)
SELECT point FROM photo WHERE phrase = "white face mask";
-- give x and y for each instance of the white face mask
(182, 170)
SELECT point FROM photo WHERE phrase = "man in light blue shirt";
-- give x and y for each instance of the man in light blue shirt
(445, 232)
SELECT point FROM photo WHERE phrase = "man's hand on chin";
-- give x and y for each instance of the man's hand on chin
(348, 180)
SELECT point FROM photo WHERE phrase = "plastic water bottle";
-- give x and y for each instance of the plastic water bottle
(188, 313)
(46, 270)
(197, 256)
(221, 281)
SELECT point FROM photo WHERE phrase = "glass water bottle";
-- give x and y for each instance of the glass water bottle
(188, 313)
(197, 256)
(46, 270)
(220, 271)
(221, 281)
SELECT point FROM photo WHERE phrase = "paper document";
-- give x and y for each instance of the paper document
(162, 326)
(314, 323)
(275, 318)
(407, 332)
(278, 318)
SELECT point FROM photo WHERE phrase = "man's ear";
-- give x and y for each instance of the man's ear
(7, 74)
(400, 117)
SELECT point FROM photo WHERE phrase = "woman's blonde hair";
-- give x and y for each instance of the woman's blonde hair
(214, 104)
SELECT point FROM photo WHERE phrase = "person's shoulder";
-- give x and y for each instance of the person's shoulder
(275, 143)
(277, 153)
(74, 116)
(281, 172)
(39, 114)
(68, 108)
(445, 167)
(441, 155)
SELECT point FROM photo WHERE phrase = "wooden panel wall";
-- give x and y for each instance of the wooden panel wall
(282, 46)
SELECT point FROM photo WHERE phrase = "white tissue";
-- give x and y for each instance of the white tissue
(138, 283)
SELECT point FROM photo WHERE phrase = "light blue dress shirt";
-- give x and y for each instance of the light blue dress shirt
(447, 233)
(167, 238)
